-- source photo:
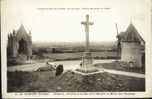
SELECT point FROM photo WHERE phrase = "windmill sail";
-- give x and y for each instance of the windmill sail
(118, 40)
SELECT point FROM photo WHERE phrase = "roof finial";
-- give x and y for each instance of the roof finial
(21, 23)
(131, 20)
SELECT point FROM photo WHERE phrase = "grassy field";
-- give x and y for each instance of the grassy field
(58, 51)
(74, 50)
(70, 82)
(62, 57)
(78, 55)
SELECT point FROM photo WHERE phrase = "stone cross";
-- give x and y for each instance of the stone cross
(86, 24)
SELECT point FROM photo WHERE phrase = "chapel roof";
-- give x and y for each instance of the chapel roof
(21, 32)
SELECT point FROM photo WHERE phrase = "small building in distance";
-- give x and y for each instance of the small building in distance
(19, 43)
(132, 46)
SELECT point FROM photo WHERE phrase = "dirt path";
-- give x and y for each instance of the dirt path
(73, 64)
(131, 74)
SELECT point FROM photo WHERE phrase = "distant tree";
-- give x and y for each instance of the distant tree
(53, 50)
(43, 50)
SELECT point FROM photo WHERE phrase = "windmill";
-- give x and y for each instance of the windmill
(118, 41)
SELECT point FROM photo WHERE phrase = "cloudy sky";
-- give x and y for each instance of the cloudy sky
(64, 23)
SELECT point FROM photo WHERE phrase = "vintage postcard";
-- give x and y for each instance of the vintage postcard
(76, 48)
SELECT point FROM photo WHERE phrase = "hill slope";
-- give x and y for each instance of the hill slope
(70, 82)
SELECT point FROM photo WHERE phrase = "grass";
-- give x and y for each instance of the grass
(70, 82)
(123, 66)
(78, 55)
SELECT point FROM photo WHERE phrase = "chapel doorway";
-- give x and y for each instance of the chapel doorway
(22, 46)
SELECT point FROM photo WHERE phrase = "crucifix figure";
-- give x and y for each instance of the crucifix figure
(86, 24)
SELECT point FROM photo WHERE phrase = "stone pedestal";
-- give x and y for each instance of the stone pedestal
(87, 63)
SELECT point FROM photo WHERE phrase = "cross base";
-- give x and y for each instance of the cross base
(88, 78)
(87, 64)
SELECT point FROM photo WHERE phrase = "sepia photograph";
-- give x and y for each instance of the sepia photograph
(52, 46)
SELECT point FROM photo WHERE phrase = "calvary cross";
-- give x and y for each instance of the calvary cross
(86, 24)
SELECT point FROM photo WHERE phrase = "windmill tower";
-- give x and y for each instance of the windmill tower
(132, 45)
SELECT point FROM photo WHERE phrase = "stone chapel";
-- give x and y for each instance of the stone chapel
(19, 43)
